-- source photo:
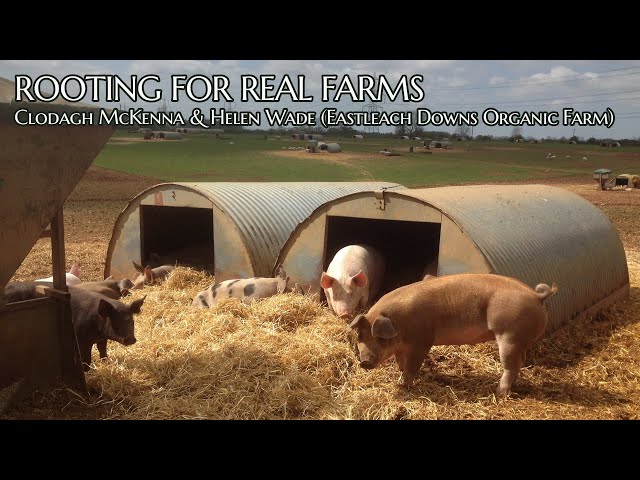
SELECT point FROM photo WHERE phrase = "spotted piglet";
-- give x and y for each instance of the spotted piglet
(247, 289)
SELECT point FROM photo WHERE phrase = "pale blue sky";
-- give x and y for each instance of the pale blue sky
(449, 85)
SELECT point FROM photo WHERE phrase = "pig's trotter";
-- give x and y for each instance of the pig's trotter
(102, 348)
(402, 382)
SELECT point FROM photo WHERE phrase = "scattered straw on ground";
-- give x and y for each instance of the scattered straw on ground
(287, 357)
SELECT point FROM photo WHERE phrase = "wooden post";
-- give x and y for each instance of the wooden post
(57, 252)
(71, 363)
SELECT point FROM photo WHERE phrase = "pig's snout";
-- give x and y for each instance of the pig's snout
(129, 341)
(367, 364)
(344, 316)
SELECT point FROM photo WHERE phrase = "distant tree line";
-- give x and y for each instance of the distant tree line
(417, 131)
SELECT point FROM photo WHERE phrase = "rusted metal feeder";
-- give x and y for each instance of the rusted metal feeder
(601, 176)
(534, 233)
(39, 167)
(233, 230)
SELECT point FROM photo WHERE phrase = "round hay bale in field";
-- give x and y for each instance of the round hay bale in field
(333, 148)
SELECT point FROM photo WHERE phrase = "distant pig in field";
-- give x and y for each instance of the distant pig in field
(109, 287)
(149, 276)
(97, 318)
(247, 290)
(453, 310)
(353, 279)
(73, 277)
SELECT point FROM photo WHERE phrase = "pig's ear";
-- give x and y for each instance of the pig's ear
(124, 286)
(281, 273)
(326, 280)
(282, 285)
(383, 328)
(75, 270)
(136, 304)
(138, 267)
(105, 309)
(148, 275)
(360, 279)
(356, 321)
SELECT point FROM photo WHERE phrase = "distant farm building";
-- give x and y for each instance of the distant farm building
(306, 136)
(609, 143)
(416, 138)
(168, 135)
(358, 137)
(404, 137)
(210, 131)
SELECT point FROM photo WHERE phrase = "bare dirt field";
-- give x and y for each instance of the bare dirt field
(287, 357)
(126, 140)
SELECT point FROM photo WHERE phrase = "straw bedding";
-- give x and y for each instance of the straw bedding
(287, 357)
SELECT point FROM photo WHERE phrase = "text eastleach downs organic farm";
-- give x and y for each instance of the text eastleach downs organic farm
(264, 89)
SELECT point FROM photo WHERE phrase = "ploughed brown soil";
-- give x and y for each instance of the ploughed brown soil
(288, 358)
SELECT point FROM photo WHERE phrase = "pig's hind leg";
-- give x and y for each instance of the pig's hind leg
(512, 355)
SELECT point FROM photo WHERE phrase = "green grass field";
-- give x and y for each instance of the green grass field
(252, 158)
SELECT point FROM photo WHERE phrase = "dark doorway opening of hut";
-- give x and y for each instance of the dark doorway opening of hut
(409, 248)
(177, 235)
